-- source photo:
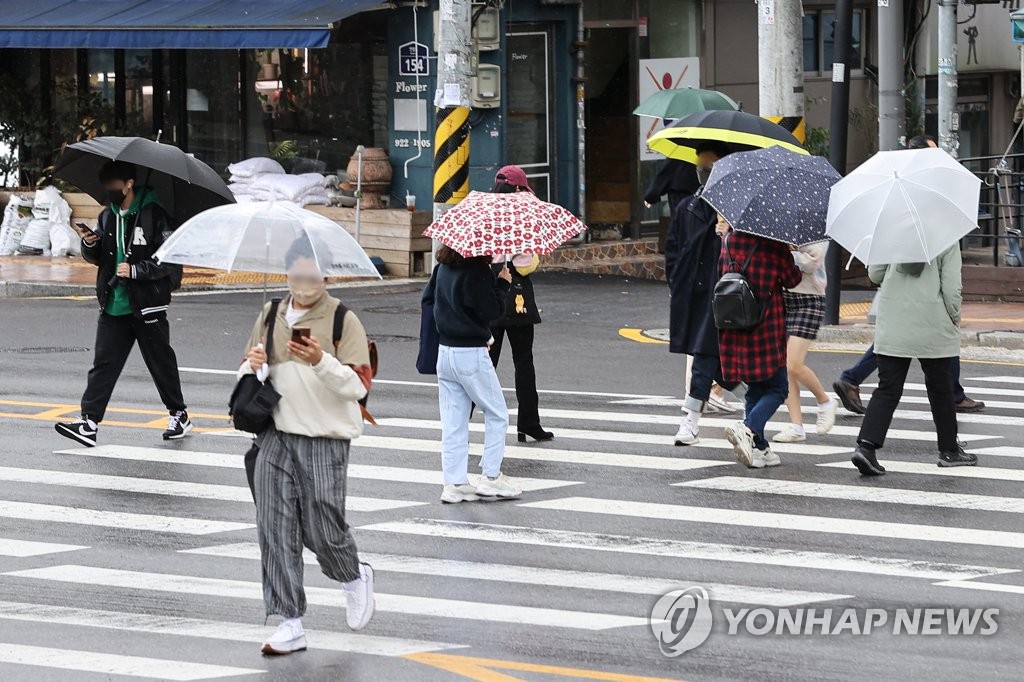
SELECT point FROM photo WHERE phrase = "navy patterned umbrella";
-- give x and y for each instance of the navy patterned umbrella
(773, 193)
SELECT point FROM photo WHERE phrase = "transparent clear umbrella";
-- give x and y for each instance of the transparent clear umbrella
(257, 237)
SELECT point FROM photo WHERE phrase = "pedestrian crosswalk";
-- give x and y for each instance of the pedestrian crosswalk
(158, 544)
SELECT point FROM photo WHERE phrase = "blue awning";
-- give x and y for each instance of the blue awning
(172, 24)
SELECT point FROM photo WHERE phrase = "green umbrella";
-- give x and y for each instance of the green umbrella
(672, 104)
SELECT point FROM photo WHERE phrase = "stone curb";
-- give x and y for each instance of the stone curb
(865, 334)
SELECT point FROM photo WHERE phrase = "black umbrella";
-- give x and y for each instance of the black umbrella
(737, 130)
(773, 193)
(184, 185)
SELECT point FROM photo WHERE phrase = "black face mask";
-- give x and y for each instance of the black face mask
(116, 197)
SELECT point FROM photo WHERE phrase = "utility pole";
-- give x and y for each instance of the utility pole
(780, 64)
(949, 119)
(839, 124)
(451, 136)
(891, 102)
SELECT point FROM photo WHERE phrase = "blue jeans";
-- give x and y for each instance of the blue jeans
(705, 370)
(868, 364)
(865, 367)
(763, 399)
(465, 376)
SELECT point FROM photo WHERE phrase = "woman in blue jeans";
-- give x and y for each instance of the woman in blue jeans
(467, 297)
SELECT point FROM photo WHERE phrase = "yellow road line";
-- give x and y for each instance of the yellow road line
(481, 669)
(639, 336)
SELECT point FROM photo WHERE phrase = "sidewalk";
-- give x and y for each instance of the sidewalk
(42, 276)
(997, 325)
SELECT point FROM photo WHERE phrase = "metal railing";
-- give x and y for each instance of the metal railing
(1001, 212)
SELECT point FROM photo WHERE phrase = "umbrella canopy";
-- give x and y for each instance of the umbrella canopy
(773, 193)
(903, 207)
(256, 237)
(680, 102)
(739, 131)
(184, 185)
(489, 224)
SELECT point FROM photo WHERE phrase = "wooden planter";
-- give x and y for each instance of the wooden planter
(395, 235)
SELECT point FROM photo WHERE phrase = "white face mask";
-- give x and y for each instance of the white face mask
(306, 294)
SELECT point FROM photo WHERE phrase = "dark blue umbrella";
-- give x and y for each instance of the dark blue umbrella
(773, 193)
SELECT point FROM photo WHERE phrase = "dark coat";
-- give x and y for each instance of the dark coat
(151, 284)
(691, 265)
(677, 179)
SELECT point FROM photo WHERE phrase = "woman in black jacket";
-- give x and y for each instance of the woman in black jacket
(521, 314)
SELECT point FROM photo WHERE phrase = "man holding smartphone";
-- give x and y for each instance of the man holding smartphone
(134, 292)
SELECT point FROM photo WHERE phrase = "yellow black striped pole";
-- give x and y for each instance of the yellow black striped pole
(451, 155)
(794, 124)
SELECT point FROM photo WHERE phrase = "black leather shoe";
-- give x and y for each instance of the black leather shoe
(957, 458)
(536, 433)
(866, 462)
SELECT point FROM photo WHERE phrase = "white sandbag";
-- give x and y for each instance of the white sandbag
(37, 238)
(314, 200)
(288, 187)
(12, 230)
(240, 188)
(255, 166)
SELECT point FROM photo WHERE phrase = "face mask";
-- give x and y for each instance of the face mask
(307, 294)
(116, 197)
(702, 175)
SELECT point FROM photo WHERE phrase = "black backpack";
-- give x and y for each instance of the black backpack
(734, 304)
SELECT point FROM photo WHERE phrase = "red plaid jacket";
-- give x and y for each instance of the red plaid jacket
(756, 355)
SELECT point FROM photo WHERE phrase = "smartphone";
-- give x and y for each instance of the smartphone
(300, 334)
(83, 229)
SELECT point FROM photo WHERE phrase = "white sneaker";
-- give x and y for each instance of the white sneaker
(765, 458)
(289, 638)
(359, 602)
(742, 439)
(826, 418)
(716, 405)
(502, 486)
(789, 434)
(688, 433)
(453, 494)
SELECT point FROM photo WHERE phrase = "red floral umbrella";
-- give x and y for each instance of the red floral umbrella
(488, 224)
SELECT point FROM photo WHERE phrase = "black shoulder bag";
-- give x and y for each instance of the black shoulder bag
(252, 403)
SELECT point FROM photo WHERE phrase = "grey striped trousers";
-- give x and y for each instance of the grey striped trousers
(300, 500)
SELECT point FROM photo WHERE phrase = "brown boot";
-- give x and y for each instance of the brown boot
(849, 395)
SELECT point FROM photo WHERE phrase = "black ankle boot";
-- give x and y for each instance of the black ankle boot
(536, 433)
(866, 461)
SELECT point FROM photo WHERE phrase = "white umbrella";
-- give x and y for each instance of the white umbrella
(903, 207)
(255, 237)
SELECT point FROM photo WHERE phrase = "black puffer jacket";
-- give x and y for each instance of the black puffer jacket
(151, 284)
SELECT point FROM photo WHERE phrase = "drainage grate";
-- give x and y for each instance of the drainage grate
(44, 350)
(393, 338)
(393, 310)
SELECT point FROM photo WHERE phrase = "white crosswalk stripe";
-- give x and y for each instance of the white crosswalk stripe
(530, 575)
(438, 565)
(115, 664)
(405, 604)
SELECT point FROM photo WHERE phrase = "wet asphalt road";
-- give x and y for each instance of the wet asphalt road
(135, 573)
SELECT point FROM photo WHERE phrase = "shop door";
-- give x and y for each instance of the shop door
(531, 122)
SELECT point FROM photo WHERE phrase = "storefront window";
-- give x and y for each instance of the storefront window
(138, 92)
(211, 105)
(102, 77)
(673, 27)
(312, 108)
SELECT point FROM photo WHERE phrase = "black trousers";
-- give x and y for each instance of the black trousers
(520, 338)
(892, 375)
(115, 337)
